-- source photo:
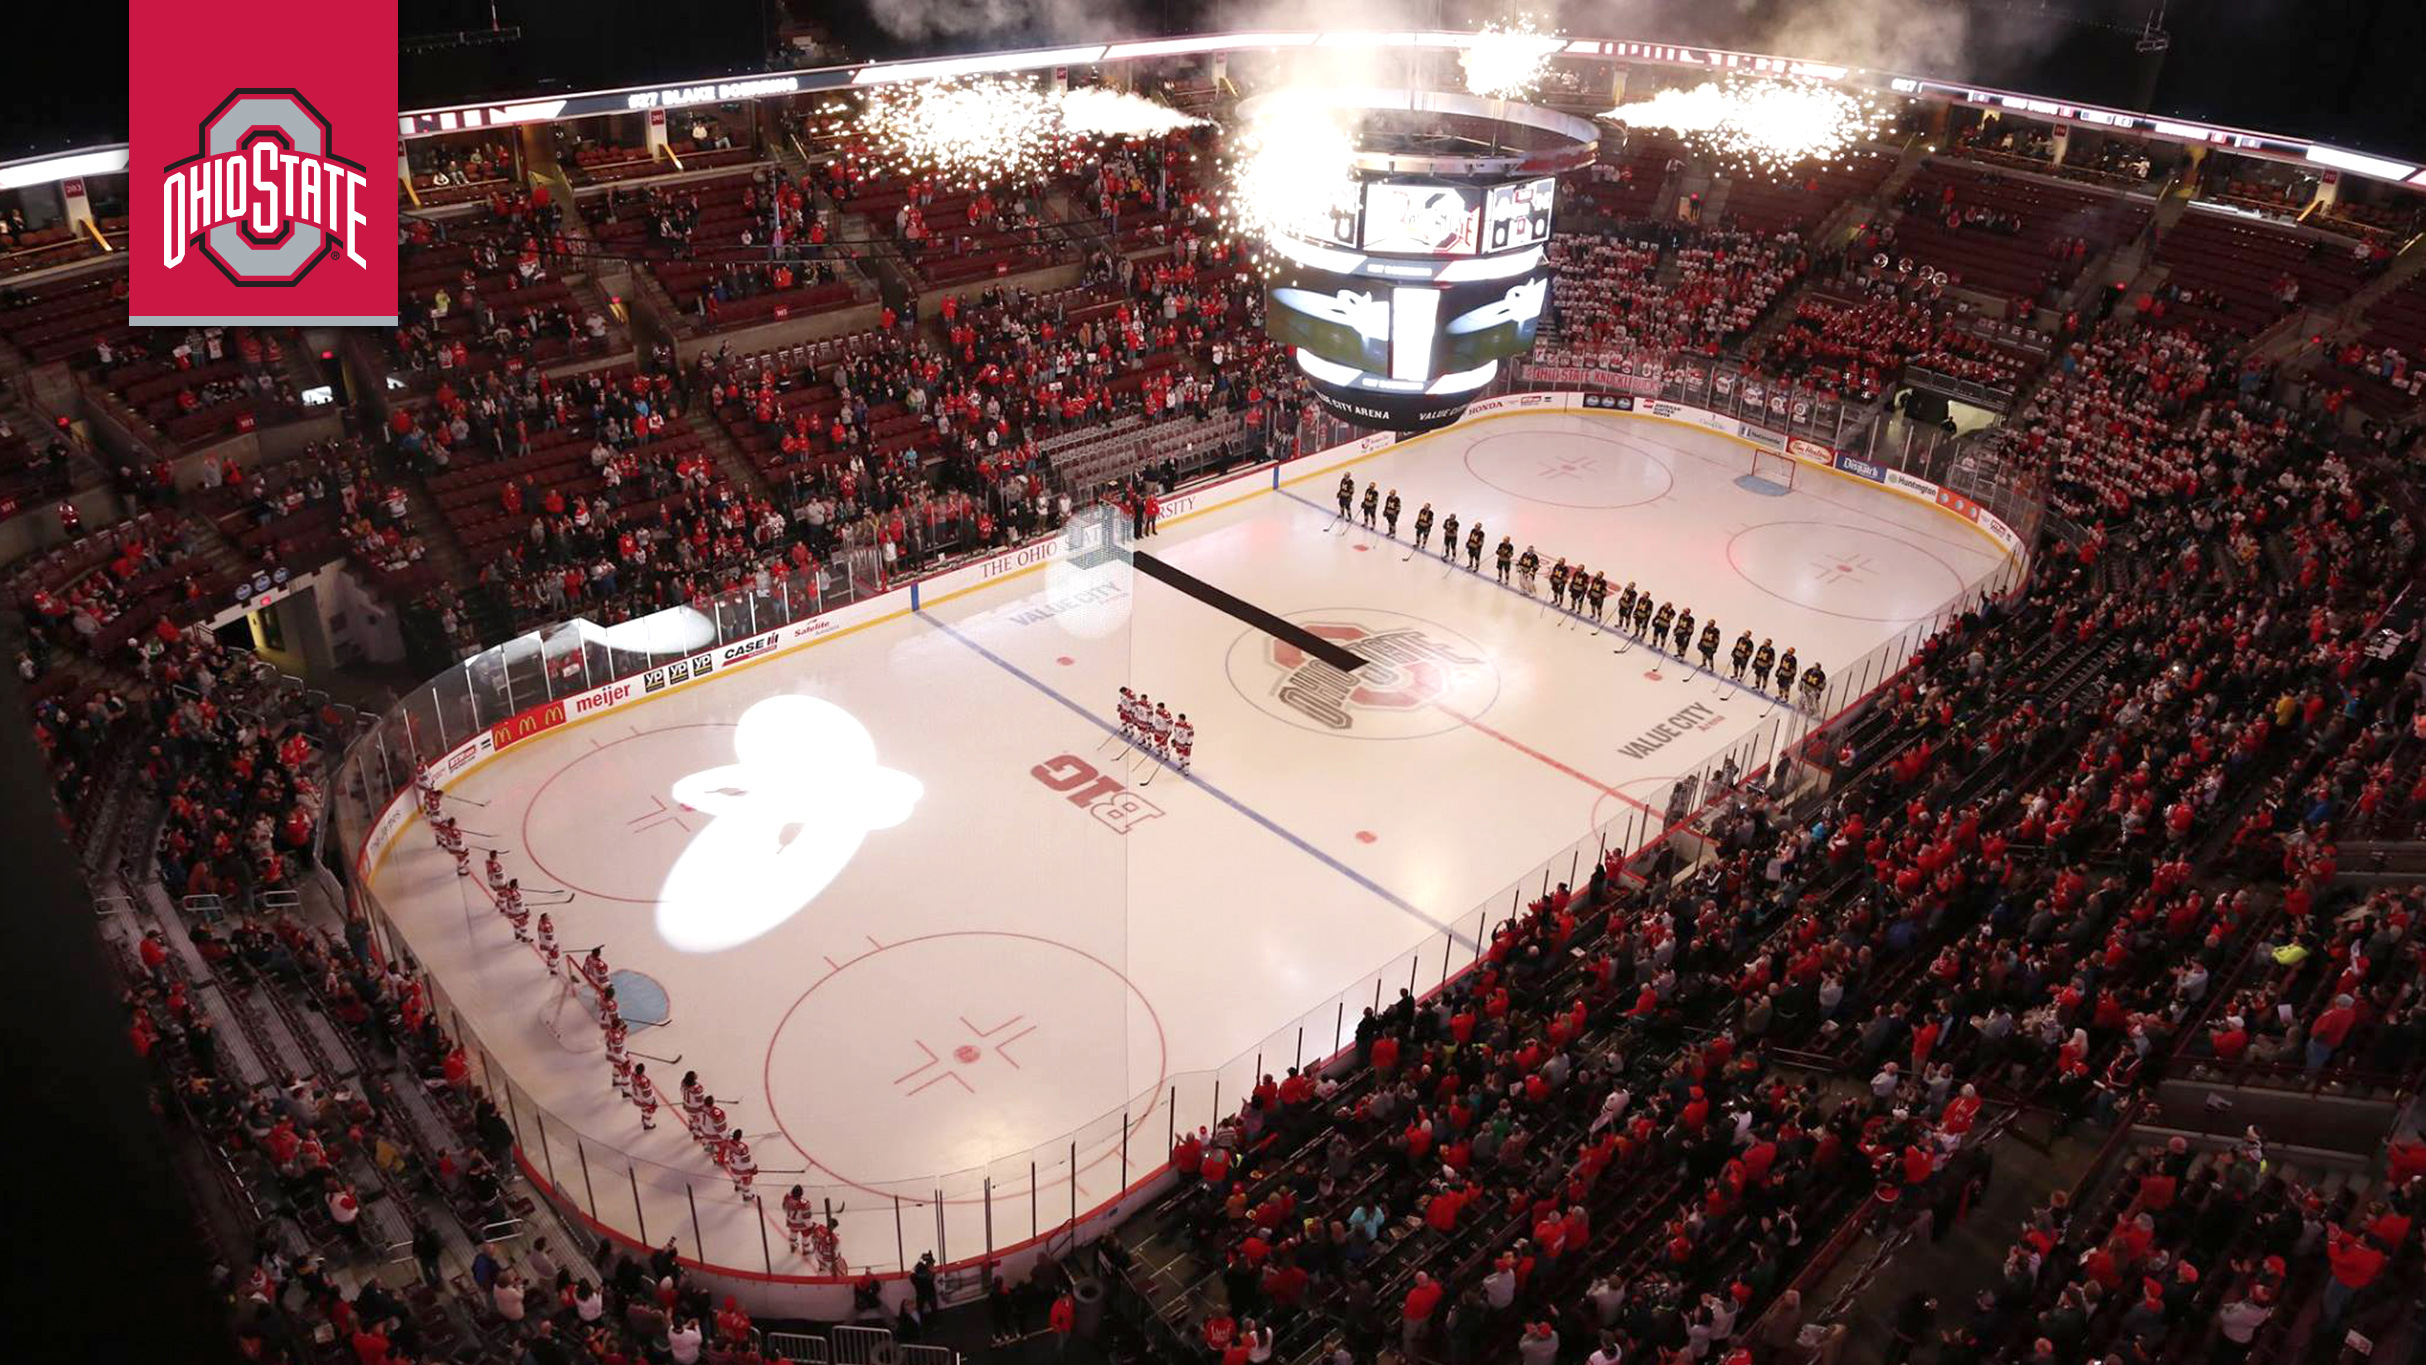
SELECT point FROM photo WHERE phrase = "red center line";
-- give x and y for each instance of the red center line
(1537, 755)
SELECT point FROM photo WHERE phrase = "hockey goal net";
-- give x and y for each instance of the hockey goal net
(570, 1012)
(1770, 467)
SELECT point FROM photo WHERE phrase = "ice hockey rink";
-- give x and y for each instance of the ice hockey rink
(963, 959)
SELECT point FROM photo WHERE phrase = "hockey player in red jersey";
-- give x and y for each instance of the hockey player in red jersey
(619, 1058)
(798, 1217)
(450, 840)
(695, 1106)
(509, 904)
(644, 1094)
(739, 1164)
(1183, 740)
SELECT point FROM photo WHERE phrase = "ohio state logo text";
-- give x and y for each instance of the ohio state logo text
(1418, 678)
(265, 198)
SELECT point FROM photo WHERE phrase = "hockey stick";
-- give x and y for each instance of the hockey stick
(465, 800)
(783, 1170)
(1148, 779)
(1410, 554)
(661, 1061)
(475, 833)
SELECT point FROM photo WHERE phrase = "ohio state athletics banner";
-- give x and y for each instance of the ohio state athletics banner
(261, 179)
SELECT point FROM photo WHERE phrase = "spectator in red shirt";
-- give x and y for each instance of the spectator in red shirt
(1416, 1315)
(2326, 1035)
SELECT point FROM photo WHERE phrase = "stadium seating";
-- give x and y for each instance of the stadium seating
(2242, 269)
(2038, 235)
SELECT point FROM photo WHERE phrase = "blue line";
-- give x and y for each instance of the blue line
(1510, 588)
(1208, 788)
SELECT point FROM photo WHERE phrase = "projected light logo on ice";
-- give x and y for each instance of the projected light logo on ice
(265, 197)
(1419, 677)
(784, 820)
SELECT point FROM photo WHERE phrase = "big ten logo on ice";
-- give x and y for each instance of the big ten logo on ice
(1085, 786)
(1417, 677)
(268, 202)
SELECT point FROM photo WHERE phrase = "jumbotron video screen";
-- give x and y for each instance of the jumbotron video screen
(1399, 308)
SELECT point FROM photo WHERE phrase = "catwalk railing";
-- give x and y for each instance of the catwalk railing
(1029, 1195)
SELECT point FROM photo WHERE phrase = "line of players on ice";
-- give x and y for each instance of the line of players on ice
(1584, 593)
(702, 1114)
(1150, 726)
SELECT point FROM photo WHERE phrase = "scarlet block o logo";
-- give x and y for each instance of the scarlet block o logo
(265, 196)
(1419, 678)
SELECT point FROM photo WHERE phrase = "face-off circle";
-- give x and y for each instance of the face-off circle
(1569, 469)
(950, 1051)
(1850, 572)
(615, 791)
(1421, 678)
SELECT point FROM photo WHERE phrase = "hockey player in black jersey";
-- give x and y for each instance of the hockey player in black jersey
(1389, 513)
(1558, 582)
(1598, 595)
(1448, 538)
(1785, 674)
(1708, 646)
(1372, 503)
(1660, 621)
(1684, 631)
(1506, 555)
(1528, 566)
(1347, 494)
(1474, 548)
(1423, 526)
(1763, 659)
(1742, 655)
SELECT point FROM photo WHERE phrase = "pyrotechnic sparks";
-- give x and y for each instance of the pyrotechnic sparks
(988, 131)
(998, 130)
(1292, 170)
(1095, 111)
(1507, 60)
(1764, 125)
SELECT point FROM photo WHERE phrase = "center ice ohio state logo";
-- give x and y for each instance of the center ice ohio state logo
(1418, 678)
(265, 197)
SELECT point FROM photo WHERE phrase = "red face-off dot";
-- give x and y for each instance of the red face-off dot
(966, 1053)
(1065, 661)
(1366, 836)
(1362, 549)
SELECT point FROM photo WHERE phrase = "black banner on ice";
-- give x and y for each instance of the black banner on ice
(1314, 645)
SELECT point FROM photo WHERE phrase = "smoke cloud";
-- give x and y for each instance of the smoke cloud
(1975, 39)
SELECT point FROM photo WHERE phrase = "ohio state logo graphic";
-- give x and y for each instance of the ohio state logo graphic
(265, 197)
(1419, 678)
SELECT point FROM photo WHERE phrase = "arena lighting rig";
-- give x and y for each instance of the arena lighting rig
(1404, 236)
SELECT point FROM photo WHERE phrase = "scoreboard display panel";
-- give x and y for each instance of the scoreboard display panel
(1445, 281)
